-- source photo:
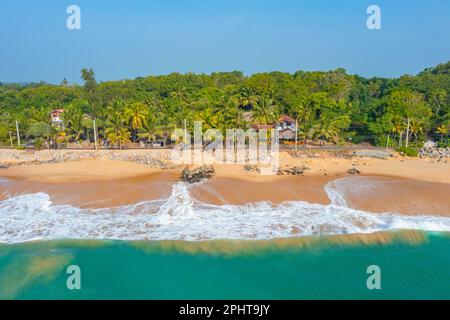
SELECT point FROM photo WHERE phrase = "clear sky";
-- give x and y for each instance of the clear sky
(126, 39)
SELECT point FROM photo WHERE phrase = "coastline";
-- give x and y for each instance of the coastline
(101, 182)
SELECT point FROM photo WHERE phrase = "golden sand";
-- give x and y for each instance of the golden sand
(418, 186)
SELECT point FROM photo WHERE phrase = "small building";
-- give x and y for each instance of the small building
(56, 116)
(286, 134)
(286, 127)
(285, 122)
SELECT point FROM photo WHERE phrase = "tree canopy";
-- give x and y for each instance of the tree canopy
(331, 105)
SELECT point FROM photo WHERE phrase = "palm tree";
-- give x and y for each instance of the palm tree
(397, 128)
(136, 113)
(179, 114)
(443, 131)
(208, 118)
(58, 136)
(119, 138)
(416, 128)
(329, 127)
(116, 131)
(237, 118)
(265, 111)
(73, 121)
(231, 113)
(151, 129)
(305, 116)
(246, 98)
(180, 94)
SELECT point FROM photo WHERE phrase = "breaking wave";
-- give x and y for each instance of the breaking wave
(180, 217)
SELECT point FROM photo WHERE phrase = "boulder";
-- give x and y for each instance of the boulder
(198, 174)
(294, 171)
(353, 171)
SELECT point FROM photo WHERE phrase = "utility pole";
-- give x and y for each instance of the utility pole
(407, 133)
(10, 139)
(95, 135)
(296, 133)
(18, 133)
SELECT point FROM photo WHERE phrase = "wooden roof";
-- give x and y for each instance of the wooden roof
(286, 118)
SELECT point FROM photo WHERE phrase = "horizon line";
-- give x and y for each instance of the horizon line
(247, 75)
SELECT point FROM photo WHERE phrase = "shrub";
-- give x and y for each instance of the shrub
(408, 151)
(443, 144)
(39, 143)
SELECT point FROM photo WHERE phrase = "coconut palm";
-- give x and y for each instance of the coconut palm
(208, 118)
(329, 127)
(150, 128)
(166, 124)
(73, 121)
(398, 128)
(180, 94)
(265, 111)
(305, 116)
(116, 131)
(442, 130)
(416, 128)
(136, 113)
(246, 98)
(119, 138)
(231, 112)
(179, 115)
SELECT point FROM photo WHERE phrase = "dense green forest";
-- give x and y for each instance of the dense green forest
(330, 106)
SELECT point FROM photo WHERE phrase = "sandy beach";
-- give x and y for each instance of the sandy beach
(404, 185)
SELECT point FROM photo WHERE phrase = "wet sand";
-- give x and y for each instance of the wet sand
(392, 194)
(224, 190)
(90, 183)
(106, 183)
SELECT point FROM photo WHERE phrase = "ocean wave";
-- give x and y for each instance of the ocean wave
(180, 217)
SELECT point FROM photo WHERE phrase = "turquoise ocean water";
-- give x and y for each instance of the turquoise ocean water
(226, 270)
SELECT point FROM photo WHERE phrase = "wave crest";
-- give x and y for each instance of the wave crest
(34, 217)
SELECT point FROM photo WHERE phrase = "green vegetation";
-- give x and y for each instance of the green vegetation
(330, 106)
(408, 151)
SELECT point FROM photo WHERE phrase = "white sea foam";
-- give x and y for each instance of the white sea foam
(33, 216)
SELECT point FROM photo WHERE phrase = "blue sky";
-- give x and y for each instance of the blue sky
(126, 39)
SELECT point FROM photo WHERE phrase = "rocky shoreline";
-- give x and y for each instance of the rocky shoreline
(155, 158)
(439, 154)
(343, 154)
(162, 158)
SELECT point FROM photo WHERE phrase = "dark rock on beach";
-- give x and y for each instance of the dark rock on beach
(294, 171)
(353, 171)
(197, 174)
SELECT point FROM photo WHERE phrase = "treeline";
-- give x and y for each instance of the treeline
(329, 106)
